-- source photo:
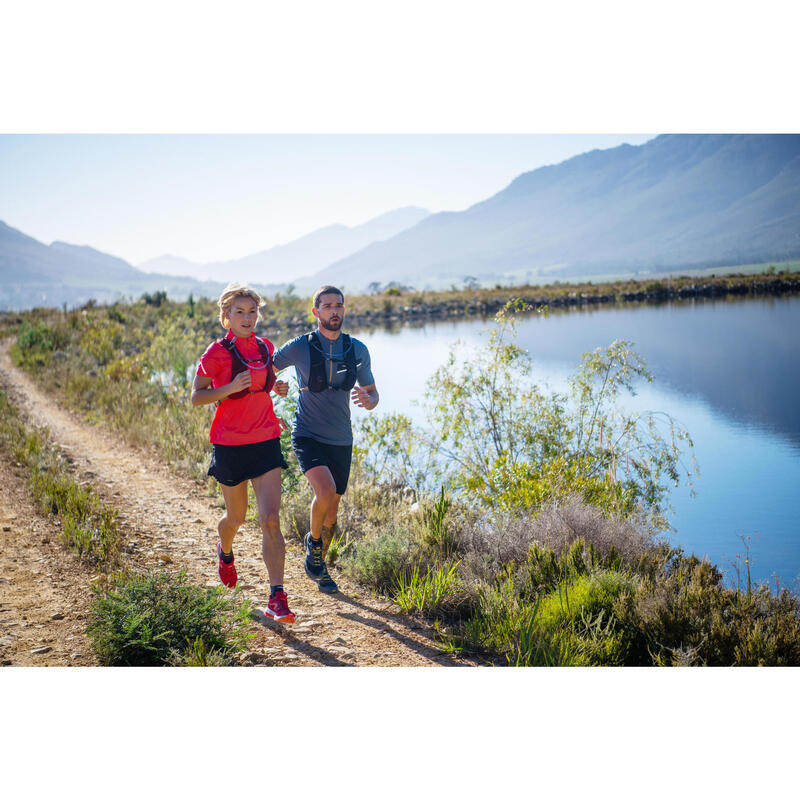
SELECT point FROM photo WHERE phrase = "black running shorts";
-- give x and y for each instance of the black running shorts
(233, 463)
(312, 453)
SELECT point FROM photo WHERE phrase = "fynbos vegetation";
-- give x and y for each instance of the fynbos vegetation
(549, 548)
(526, 523)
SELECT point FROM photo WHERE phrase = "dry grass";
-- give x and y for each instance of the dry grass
(559, 524)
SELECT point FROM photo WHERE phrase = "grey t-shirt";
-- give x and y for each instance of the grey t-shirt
(325, 415)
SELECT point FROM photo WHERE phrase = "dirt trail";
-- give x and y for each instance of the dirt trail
(167, 520)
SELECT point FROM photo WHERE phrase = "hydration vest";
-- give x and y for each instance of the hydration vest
(318, 375)
(239, 364)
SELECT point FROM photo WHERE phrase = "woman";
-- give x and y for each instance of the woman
(236, 373)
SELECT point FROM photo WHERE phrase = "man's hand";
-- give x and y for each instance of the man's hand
(281, 388)
(366, 398)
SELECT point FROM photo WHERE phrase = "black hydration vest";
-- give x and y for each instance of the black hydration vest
(239, 364)
(318, 375)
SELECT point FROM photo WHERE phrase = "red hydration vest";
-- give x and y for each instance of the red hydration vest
(239, 364)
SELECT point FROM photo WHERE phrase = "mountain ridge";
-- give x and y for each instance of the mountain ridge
(675, 201)
(35, 274)
(285, 263)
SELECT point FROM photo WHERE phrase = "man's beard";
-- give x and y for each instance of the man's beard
(330, 326)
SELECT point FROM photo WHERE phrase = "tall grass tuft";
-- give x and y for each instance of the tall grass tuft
(438, 534)
(425, 593)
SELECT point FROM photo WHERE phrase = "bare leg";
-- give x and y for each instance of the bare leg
(325, 498)
(267, 488)
(235, 513)
(329, 525)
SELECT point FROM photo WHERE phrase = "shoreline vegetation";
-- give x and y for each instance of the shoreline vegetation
(533, 534)
(396, 304)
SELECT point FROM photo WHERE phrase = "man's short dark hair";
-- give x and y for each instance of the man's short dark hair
(326, 290)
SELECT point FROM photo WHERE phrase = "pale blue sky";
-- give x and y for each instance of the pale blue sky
(215, 197)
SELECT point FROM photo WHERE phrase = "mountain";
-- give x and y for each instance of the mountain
(286, 263)
(675, 202)
(34, 274)
(173, 265)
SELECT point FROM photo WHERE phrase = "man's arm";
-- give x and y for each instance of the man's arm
(285, 355)
(365, 394)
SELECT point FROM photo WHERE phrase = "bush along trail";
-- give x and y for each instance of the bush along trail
(145, 540)
(519, 527)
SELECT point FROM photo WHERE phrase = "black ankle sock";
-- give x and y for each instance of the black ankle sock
(227, 558)
(277, 588)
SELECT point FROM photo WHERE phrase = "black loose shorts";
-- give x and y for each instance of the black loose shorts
(233, 463)
(313, 453)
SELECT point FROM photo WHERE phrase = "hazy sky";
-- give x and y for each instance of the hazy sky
(213, 197)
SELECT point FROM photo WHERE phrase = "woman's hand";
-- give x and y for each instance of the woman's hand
(281, 388)
(241, 381)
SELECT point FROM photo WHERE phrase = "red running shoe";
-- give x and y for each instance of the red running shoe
(278, 608)
(227, 572)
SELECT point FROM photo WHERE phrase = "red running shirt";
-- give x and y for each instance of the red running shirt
(248, 419)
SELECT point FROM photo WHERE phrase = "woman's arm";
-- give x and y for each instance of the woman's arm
(203, 395)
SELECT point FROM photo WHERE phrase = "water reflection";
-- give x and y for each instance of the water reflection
(729, 371)
(739, 356)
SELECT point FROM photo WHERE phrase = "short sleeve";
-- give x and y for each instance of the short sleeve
(287, 354)
(213, 361)
(364, 370)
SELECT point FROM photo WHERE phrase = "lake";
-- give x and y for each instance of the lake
(727, 370)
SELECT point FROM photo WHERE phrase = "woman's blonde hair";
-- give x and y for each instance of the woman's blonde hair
(233, 290)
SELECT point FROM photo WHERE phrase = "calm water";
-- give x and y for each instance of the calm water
(729, 372)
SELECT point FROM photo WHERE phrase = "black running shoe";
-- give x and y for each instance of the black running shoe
(315, 566)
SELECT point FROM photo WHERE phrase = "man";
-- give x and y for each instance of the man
(328, 364)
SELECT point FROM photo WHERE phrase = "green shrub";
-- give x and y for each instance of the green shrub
(38, 336)
(504, 624)
(580, 613)
(377, 562)
(153, 619)
(684, 615)
(543, 568)
(36, 342)
(588, 594)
